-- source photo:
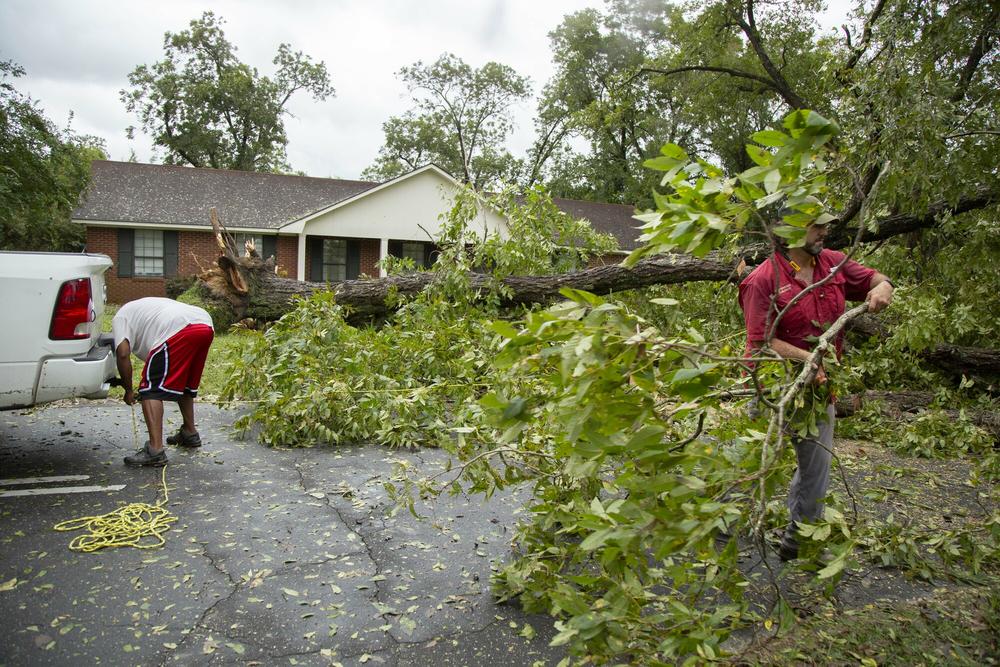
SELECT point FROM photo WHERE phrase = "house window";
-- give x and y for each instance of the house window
(414, 250)
(148, 252)
(334, 260)
(258, 243)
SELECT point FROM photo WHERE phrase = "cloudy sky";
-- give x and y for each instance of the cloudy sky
(78, 53)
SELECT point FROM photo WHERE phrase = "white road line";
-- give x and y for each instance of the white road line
(44, 480)
(60, 489)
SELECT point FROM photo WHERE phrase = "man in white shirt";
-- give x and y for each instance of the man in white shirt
(173, 339)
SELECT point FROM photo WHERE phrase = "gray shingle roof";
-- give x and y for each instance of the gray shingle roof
(130, 192)
(164, 194)
(614, 219)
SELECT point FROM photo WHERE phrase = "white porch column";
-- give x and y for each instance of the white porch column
(383, 252)
(301, 266)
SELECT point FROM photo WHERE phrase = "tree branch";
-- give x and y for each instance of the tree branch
(980, 48)
(971, 133)
(710, 68)
(866, 35)
(780, 84)
(895, 225)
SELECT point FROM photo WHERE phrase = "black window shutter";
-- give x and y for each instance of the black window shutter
(428, 252)
(396, 248)
(270, 248)
(126, 253)
(353, 259)
(169, 254)
(314, 250)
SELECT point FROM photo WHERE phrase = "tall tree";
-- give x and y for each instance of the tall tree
(460, 120)
(205, 108)
(590, 99)
(43, 170)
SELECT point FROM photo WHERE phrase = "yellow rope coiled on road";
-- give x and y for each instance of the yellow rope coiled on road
(126, 526)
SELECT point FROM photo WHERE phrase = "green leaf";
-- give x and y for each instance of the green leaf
(770, 138)
(685, 374)
(514, 409)
(772, 180)
(660, 163)
(835, 567)
(674, 151)
(408, 625)
(503, 328)
(758, 155)
(795, 235)
(564, 637)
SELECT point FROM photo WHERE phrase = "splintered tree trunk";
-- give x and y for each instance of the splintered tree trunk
(249, 287)
(267, 296)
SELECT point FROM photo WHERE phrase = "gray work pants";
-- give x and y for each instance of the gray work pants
(809, 484)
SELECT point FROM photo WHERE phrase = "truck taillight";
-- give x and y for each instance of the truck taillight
(72, 313)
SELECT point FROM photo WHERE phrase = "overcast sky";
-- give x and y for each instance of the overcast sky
(78, 54)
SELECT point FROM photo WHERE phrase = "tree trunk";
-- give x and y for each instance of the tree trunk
(249, 287)
(952, 359)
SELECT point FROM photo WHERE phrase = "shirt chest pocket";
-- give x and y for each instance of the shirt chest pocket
(830, 300)
(799, 316)
(814, 311)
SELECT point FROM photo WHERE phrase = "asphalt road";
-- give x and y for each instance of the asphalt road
(278, 556)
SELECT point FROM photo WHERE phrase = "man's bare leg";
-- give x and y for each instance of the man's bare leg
(186, 403)
(152, 412)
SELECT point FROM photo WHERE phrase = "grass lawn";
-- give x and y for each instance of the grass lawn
(216, 366)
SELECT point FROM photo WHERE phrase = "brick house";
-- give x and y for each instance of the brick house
(152, 221)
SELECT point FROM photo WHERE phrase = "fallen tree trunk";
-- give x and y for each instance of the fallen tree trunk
(964, 360)
(909, 404)
(249, 287)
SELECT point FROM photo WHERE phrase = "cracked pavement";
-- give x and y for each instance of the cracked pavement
(277, 557)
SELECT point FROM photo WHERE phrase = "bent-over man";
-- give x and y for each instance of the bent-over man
(173, 339)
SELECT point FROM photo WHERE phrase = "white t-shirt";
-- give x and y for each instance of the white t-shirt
(147, 323)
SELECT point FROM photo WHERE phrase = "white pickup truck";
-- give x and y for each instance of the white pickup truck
(51, 346)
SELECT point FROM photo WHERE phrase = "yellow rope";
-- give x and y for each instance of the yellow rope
(126, 526)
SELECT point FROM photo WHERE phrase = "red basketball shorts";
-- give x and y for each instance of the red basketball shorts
(174, 368)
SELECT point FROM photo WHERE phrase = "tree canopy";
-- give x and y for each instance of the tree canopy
(205, 108)
(43, 171)
(912, 84)
(460, 121)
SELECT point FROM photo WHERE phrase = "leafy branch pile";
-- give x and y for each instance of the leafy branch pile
(413, 380)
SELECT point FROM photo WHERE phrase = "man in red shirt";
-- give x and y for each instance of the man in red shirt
(763, 294)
